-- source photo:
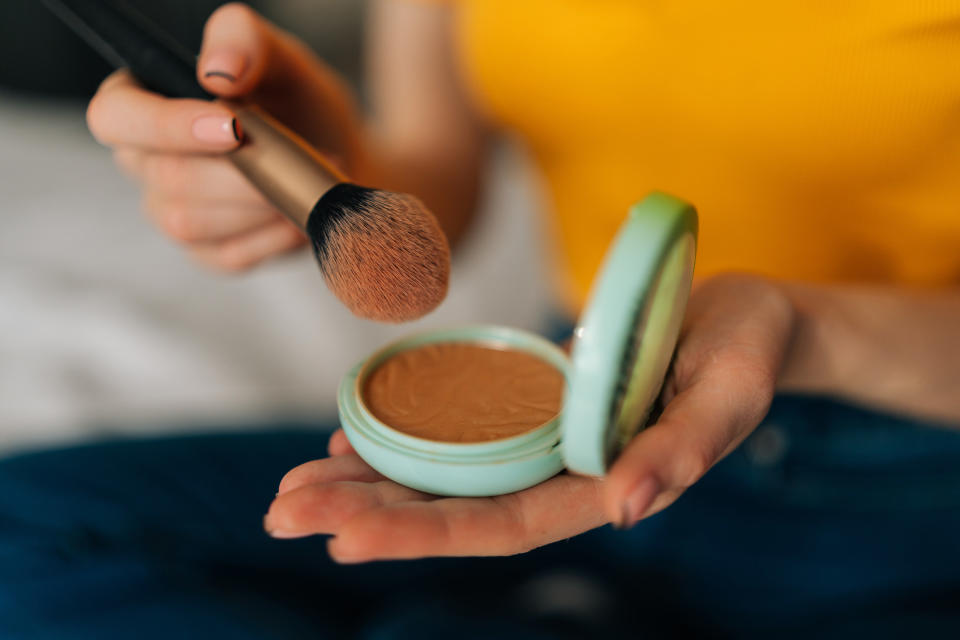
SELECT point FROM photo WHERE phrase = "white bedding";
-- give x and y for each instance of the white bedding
(105, 326)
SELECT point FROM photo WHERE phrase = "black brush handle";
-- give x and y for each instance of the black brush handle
(126, 38)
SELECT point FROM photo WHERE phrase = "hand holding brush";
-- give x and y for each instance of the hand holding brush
(383, 254)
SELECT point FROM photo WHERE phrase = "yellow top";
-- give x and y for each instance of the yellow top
(820, 140)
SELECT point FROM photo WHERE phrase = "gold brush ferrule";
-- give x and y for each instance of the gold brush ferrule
(289, 172)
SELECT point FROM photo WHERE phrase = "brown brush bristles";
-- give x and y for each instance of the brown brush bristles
(383, 254)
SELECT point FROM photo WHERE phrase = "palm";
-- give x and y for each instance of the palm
(373, 517)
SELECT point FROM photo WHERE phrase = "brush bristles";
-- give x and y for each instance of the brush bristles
(383, 254)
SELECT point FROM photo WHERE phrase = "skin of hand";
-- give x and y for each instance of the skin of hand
(736, 333)
(175, 147)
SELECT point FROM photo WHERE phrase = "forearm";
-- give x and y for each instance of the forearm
(449, 181)
(422, 134)
(883, 347)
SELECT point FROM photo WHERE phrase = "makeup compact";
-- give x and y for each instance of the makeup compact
(488, 410)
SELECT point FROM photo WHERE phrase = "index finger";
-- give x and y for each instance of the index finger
(124, 113)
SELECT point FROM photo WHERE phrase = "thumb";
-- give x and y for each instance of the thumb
(236, 50)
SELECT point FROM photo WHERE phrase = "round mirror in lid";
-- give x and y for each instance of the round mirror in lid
(627, 333)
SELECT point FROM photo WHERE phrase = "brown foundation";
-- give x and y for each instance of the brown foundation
(462, 392)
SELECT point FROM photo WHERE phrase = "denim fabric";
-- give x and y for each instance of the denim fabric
(829, 521)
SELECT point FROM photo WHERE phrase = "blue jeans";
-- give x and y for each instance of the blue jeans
(830, 520)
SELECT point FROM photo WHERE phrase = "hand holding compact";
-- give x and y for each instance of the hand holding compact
(734, 338)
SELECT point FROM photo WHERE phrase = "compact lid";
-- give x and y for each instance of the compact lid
(628, 331)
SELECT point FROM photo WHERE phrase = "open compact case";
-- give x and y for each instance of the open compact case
(621, 351)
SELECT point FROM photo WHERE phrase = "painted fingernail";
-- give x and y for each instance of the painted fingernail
(638, 502)
(227, 65)
(216, 130)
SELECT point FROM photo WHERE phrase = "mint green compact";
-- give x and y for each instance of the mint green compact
(621, 351)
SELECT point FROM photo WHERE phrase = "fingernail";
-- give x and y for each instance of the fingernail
(280, 533)
(216, 129)
(637, 503)
(338, 556)
(224, 64)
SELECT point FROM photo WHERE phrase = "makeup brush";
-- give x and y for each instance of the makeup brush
(382, 253)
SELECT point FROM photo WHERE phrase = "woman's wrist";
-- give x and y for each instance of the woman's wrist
(804, 366)
(828, 354)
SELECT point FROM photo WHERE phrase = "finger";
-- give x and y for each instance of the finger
(339, 445)
(236, 50)
(203, 221)
(187, 176)
(323, 508)
(559, 508)
(124, 113)
(337, 468)
(247, 250)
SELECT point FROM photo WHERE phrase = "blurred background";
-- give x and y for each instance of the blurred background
(107, 328)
